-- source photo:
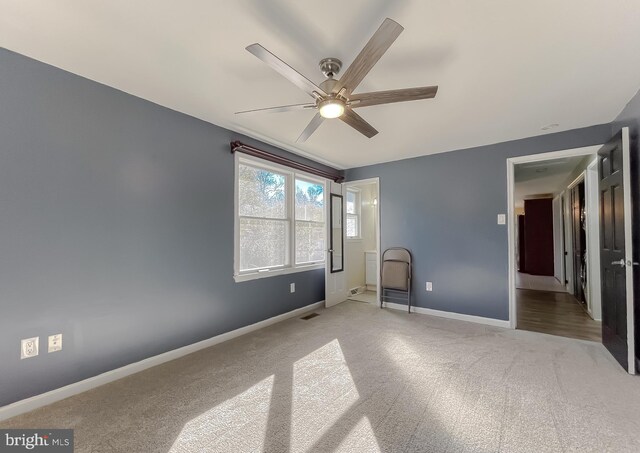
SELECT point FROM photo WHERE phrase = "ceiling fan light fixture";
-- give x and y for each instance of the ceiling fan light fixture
(331, 108)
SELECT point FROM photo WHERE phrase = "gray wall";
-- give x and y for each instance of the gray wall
(444, 207)
(630, 117)
(116, 230)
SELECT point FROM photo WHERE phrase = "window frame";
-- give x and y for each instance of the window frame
(290, 178)
(357, 215)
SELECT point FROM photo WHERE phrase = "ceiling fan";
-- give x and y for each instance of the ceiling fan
(335, 98)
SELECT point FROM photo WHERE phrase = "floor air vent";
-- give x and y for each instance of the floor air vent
(309, 316)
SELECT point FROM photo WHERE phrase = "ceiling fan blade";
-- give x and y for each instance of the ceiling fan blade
(369, 55)
(282, 108)
(285, 70)
(316, 121)
(390, 96)
(358, 123)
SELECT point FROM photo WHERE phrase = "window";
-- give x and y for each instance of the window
(310, 228)
(353, 214)
(280, 221)
(264, 220)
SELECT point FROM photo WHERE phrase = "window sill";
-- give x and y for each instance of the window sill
(353, 239)
(272, 273)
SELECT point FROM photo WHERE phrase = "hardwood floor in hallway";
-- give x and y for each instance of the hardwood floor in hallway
(556, 314)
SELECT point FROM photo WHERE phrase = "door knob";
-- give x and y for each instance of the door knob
(330, 250)
(620, 263)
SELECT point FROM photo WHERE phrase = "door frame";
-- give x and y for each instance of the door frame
(628, 249)
(511, 218)
(363, 182)
(558, 221)
(592, 202)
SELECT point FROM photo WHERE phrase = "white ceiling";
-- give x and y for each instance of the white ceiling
(505, 68)
(549, 177)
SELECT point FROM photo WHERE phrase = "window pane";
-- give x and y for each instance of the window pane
(351, 202)
(352, 226)
(309, 201)
(263, 243)
(261, 193)
(310, 244)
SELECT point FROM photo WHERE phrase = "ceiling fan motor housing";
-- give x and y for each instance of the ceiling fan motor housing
(328, 85)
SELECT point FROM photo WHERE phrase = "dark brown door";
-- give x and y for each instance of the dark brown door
(564, 245)
(538, 233)
(579, 241)
(617, 333)
(521, 245)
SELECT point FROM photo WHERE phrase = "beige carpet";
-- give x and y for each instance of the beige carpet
(358, 378)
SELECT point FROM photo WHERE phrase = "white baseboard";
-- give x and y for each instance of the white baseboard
(451, 315)
(34, 402)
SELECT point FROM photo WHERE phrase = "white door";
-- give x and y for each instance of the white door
(335, 278)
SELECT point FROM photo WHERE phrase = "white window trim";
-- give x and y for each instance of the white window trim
(358, 214)
(291, 174)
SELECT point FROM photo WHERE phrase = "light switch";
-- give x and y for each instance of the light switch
(55, 342)
(502, 219)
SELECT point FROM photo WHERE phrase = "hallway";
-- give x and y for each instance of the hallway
(555, 313)
(538, 282)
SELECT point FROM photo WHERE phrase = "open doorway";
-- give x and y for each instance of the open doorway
(555, 254)
(362, 240)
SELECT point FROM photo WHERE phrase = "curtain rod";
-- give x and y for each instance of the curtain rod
(266, 155)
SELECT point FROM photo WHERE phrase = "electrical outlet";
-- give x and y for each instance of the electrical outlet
(55, 342)
(292, 288)
(429, 286)
(29, 347)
